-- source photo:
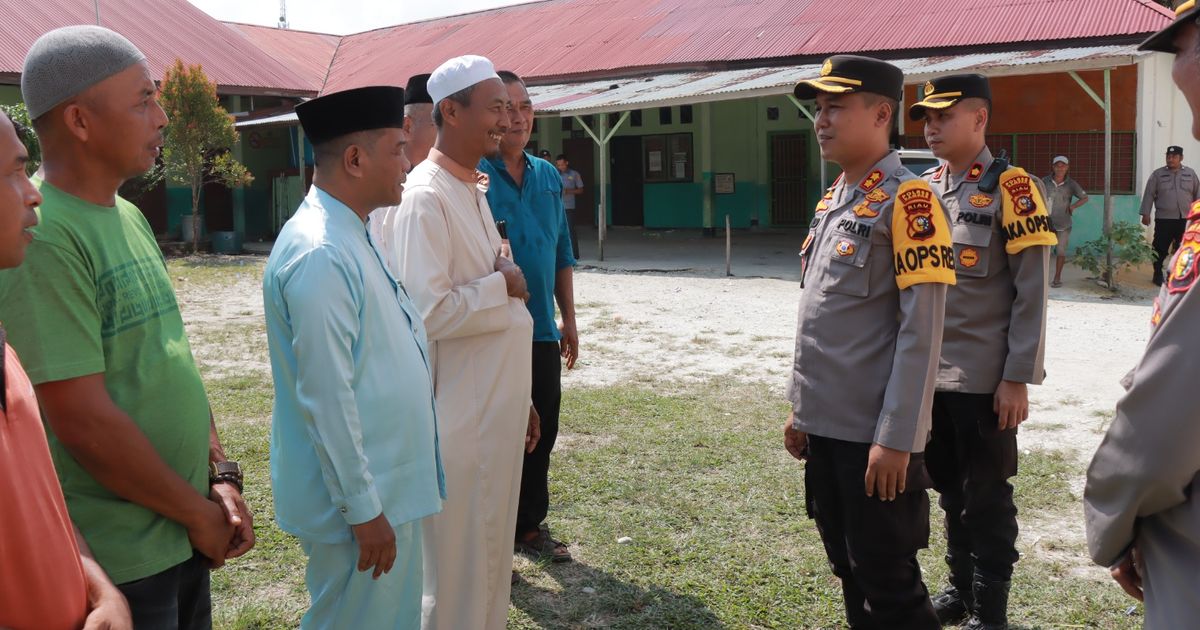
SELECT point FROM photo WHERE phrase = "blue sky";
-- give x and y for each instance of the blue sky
(341, 16)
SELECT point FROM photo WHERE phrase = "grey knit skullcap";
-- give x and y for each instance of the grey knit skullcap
(69, 60)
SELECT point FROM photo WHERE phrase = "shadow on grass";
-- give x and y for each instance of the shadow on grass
(575, 595)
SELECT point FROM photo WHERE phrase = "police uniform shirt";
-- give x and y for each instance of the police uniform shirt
(1171, 192)
(996, 313)
(1142, 478)
(875, 268)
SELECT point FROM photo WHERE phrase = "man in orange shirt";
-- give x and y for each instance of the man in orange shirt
(48, 579)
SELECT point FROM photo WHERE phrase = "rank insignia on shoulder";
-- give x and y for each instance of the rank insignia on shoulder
(845, 248)
(968, 257)
(872, 180)
(878, 195)
(980, 200)
(975, 172)
(865, 211)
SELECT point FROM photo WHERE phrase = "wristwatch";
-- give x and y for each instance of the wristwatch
(225, 472)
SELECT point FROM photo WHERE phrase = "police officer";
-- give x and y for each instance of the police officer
(1140, 502)
(875, 268)
(1171, 189)
(993, 345)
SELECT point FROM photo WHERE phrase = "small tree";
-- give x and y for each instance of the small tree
(20, 118)
(1129, 248)
(199, 138)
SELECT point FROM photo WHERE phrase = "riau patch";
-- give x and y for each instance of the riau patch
(980, 200)
(1185, 267)
(845, 248)
(865, 211)
(918, 208)
(975, 172)
(878, 195)
(872, 180)
(920, 237)
(1024, 221)
(968, 257)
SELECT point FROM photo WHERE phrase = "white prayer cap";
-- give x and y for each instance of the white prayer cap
(459, 74)
(1060, 158)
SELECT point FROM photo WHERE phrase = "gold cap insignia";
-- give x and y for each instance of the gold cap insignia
(928, 88)
(827, 68)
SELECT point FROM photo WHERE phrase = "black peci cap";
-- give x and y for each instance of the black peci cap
(1174, 150)
(1163, 41)
(415, 90)
(846, 74)
(944, 92)
(361, 109)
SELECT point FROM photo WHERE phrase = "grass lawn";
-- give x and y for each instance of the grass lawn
(696, 476)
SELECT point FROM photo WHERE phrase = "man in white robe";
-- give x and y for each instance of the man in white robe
(442, 243)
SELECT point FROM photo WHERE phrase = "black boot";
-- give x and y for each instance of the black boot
(991, 603)
(956, 602)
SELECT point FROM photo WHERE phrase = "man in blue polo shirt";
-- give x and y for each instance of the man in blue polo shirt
(526, 193)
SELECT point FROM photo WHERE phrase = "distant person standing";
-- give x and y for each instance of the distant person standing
(1060, 192)
(1171, 190)
(572, 185)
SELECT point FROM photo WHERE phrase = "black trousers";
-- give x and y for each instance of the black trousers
(574, 234)
(1167, 234)
(871, 544)
(175, 599)
(547, 396)
(970, 462)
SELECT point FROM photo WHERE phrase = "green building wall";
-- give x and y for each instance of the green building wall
(740, 138)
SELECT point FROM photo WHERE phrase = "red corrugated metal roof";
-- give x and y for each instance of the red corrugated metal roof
(308, 54)
(558, 38)
(163, 29)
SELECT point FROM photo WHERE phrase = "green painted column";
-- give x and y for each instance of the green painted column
(239, 193)
(706, 167)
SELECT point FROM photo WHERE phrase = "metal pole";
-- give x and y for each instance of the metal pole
(602, 222)
(728, 250)
(96, 4)
(1108, 201)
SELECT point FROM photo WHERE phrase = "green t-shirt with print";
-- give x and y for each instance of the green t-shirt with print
(93, 296)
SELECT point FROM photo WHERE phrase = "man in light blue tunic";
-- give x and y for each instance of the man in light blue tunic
(355, 464)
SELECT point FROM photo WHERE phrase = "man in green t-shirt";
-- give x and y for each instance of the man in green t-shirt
(93, 314)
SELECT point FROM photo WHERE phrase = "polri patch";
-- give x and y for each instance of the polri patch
(845, 248)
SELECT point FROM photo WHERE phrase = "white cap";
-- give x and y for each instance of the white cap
(459, 74)
(1060, 158)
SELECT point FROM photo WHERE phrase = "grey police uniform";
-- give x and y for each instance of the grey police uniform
(996, 313)
(1142, 483)
(857, 328)
(1171, 193)
(876, 265)
(995, 329)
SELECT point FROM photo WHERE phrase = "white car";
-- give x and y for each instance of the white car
(918, 160)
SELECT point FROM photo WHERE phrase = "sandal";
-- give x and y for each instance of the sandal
(1056, 284)
(541, 545)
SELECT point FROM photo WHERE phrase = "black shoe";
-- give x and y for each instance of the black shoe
(950, 607)
(991, 604)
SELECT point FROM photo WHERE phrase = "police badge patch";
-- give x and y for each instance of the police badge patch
(1184, 267)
